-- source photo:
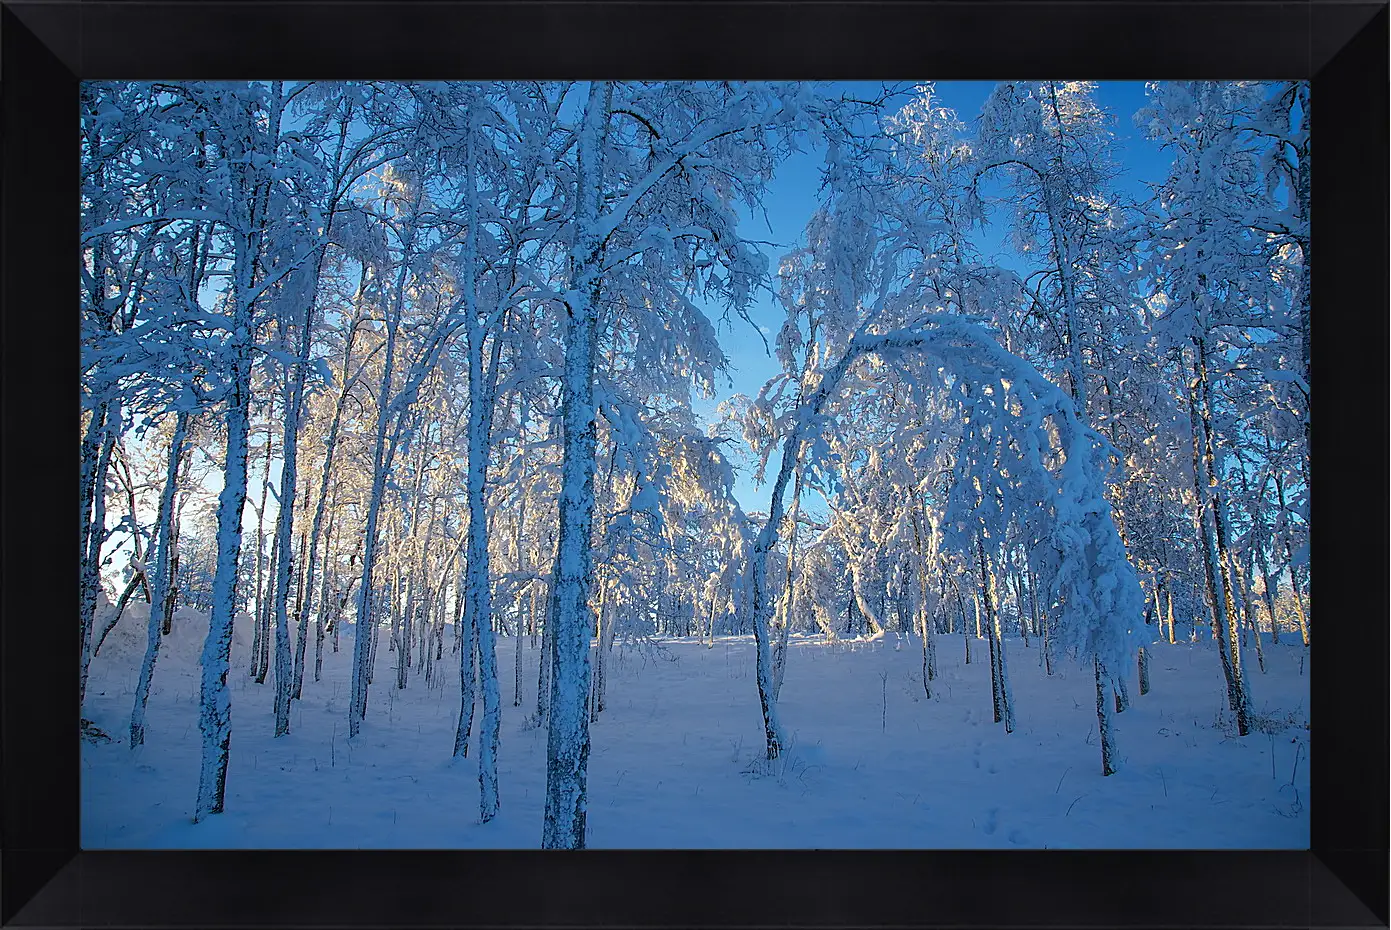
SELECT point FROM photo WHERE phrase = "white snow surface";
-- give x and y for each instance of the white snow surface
(676, 758)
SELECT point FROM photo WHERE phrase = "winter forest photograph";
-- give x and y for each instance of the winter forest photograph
(594, 464)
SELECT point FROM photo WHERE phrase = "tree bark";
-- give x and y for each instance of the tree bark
(567, 746)
(261, 593)
(999, 684)
(94, 532)
(365, 639)
(1214, 500)
(215, 709)
(1103, 718)
(1215, 595)
(1289, 563)
(161, 558)
(788, 592)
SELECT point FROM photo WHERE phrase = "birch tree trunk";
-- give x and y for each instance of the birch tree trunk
(567, 747)
(261, 592)
(1248, 613)
(929, 643)
(1237, 687)
(1289, 563)
(602, 622)
(1103, 719)
(961, 611)
(284, 524)
(1302, 204)
(1016, 574)
(998, 686)
(478, 596)
(161, 558)
(468, 675)
(1268, 585)
(94, 531)
(520, 615)
(519, 541)
(869, 613)
(215, 705)
(1216, 598)
(789, 588)
(323, 599)
(363, 647)
(478, 602)
(1169, 602)
(264, 613)
(760, 604)
(543, 669)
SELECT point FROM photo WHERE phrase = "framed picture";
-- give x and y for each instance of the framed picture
(638, 404)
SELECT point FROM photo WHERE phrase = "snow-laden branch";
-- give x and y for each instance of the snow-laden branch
(115, 226)
(1087, 572)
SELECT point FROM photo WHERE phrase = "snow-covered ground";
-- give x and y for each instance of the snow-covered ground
(676, 758)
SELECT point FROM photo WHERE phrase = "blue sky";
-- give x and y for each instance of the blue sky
(791, 199)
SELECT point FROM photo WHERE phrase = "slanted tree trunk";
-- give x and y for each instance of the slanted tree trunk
(871, 616)
(1247, 612)
(1212, 558)
(161, 557)
(97, 444)
(788, 591)
(1237, 686)
(138, 579)
(135, 581)
(92, 565)
(321, 507)
(364, 642)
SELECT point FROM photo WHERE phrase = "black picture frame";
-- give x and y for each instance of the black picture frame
(46, 47)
